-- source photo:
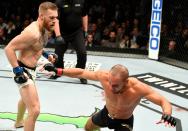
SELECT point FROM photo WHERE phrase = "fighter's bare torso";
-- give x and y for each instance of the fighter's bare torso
(31, 55)
(121, 105)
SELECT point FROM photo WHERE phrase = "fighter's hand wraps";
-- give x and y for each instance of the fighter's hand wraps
(59, 40)
(167, 118)
(19, 78)
(50, 67)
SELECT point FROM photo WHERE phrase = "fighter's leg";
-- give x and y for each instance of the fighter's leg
(90, 126)
(126, 125)
(20, 115)
(98, 120)
(79, 46)
(31, 100)
(60, 50)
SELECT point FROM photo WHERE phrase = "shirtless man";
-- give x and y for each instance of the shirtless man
(30, 44)
(122, 95)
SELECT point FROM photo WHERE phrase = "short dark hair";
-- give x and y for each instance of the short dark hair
(44, 6)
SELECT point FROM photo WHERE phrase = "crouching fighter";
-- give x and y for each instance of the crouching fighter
(122, 95)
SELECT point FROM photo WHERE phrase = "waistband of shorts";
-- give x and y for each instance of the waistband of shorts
(23, 65)
(111, 117)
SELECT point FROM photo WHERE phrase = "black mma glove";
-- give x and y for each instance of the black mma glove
(167, 118)
(50, 67)
(59, 40)
(19, 78)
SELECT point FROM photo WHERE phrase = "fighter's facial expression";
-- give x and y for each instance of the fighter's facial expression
(116, 84)
(50, 18)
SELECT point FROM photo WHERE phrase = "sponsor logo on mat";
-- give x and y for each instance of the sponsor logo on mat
(165, 84)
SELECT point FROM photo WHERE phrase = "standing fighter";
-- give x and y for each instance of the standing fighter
(72, 28)
(122, 95)
(30, 45)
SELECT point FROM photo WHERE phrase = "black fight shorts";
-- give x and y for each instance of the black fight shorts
(103, 119)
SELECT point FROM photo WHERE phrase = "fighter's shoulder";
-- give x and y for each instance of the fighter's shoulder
(135, 82)
(138, 85)
(32, 30)
(102, 74)
(133, 79)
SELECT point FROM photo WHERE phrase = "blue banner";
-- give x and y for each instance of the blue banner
(155, 29)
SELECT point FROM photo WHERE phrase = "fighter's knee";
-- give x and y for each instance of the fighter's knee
(90, 126)
(35, 111)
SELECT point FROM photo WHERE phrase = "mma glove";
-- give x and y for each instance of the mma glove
(59, 40)
(50, 67)
(19, 78)
(167, 118)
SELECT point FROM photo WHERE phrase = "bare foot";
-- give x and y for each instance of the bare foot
(19, 124)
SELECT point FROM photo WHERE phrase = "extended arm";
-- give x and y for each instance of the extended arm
(158, 99)
(74, 72)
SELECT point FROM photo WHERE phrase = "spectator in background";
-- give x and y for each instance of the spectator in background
(96, 34)
(111, 42)
(2, 23)
(10, 30)
(89, 41)
(125, 42)
(171, 46)
(105, 34)
(181, 39)
(112, 25)
(178, 29)
(136, 23)
(134, 34)
(126, 26)
(25, 23)
(119, 35)
(2, 37)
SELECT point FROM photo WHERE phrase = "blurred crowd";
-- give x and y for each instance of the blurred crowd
(114, 24)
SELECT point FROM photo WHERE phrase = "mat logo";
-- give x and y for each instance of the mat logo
(78, 121)
(165, 84)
